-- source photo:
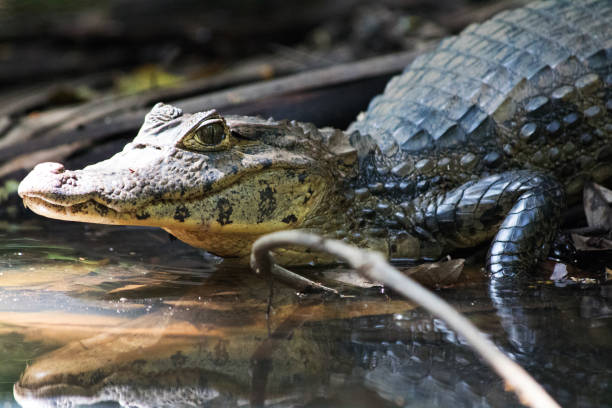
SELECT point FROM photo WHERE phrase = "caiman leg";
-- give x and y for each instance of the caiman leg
(528, 206)
(525, 236)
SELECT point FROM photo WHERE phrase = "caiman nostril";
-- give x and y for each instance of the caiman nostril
(51, 167)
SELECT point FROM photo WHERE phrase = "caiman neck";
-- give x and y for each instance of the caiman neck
(372, 205)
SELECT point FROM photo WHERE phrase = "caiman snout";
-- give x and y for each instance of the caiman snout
(47, 180)
(51, 190)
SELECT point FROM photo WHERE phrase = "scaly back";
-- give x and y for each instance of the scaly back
(529, 88)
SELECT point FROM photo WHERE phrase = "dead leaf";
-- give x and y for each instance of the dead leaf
(584, 243)
(559, 272)
(436, 273)
(598, 206)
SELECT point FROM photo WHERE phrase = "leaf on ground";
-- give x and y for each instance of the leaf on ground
(598, 206)
(563, 274)
(435, 274)
(584, 243)
(559, 272)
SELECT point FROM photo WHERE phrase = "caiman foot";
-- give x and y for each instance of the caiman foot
(528, 230)
(519, 210)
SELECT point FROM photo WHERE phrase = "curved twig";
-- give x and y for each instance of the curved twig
(374, 266)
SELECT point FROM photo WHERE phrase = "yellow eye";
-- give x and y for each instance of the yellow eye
(210, 135)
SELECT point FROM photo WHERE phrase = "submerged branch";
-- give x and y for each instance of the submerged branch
(374, 266)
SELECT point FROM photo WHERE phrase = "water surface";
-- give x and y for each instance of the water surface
(119, 316)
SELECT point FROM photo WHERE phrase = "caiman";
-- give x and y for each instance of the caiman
(484, 138)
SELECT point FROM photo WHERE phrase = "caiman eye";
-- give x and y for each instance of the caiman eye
(209, 136)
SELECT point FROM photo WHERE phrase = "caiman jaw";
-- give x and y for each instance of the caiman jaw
(224, 222)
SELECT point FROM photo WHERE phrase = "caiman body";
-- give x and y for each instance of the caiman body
(483, 138)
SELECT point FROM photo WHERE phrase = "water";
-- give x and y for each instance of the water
(118, 316)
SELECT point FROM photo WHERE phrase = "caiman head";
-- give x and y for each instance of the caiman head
(214, 182)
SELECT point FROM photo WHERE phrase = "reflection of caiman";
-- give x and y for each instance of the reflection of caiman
(318, 367)
(216, 352)
(481, 139)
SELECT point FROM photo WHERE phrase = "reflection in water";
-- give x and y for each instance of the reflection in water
(214, 346)
(140, 328)
(564, 335)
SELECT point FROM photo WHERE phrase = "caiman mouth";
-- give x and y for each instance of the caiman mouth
(76, 211)
(254, 202)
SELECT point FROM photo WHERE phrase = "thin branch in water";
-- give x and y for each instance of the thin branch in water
(374, 266)
(299, 282)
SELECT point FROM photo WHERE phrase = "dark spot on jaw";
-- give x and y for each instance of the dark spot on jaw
(143, 216)
(225, 211)
(289, 219)
(101, 209)
(181, 213)
(267, 203)
(309, 194)
(77, 208)
(302, 177)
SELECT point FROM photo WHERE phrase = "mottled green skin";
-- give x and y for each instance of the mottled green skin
(480, 139)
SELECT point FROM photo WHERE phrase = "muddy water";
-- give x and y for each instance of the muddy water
(117, 316)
